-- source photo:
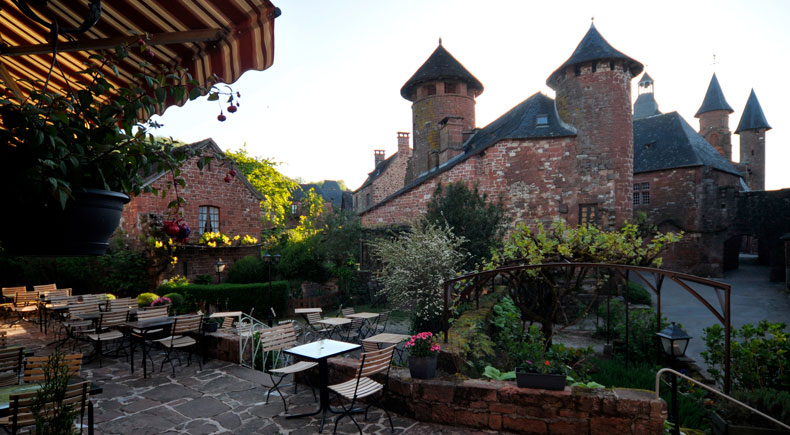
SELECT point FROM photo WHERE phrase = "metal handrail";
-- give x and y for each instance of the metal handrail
(712, 390)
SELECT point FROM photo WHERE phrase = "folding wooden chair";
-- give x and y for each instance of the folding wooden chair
(346, 311)
(11, 361)
(121, 304)
(9, 293)
(315, 327)
(45, 288)
(107, 331)
(354, 330)
(178, 339)
(361, 385)
(25, 303)
(21, 413)
(34, 367)
(381, 322)
(273, 340)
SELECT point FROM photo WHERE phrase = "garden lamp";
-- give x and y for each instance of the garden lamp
(674, 341)
(269, 260)
(219, 266)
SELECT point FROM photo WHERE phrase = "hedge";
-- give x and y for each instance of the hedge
(239, 297)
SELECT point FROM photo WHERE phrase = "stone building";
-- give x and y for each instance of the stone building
(585, 156)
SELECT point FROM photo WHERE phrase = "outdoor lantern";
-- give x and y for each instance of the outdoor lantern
(219, 266)
(674, 340)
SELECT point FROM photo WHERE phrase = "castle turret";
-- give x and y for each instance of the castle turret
(594, 95)
(751, 129)
(714, 119)
(645, 104)
(443, 93)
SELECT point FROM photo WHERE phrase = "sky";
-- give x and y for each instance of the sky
(332, 96)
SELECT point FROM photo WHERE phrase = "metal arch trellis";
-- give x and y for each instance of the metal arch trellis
(470, 287)
(248, 328)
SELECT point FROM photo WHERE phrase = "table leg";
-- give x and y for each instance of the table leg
(131, 350)
(145, 355)
(323, 407)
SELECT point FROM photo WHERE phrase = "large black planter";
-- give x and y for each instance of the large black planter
(723, 427)
(422, 367)
(83, 228)
(539, 380)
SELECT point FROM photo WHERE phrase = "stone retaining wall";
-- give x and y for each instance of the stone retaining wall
(500, 405)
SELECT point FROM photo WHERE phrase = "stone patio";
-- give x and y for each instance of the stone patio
(223, 398)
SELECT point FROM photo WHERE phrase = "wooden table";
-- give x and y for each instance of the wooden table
(334, 323)
(363, 315)
(388, 338)
(369, 323)
(320, 351)
(141, 328)
(307, 310)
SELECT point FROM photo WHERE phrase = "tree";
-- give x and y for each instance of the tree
(471, 216)
(414, 267)
(276, 188)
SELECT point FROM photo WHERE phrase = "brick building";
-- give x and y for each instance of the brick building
(585, 156)
(212, 204)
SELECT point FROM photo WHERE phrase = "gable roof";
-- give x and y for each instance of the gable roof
(668, 141)
(209, 144)
(752, 117)
(594, 47)
(440, 65)
(714, 99)
(645, 80)
(377, 172)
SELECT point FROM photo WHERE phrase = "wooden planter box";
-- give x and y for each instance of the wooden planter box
(722, 427)
(539, 380)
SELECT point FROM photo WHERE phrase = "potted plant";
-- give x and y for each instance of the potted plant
(211, 324)
(423, 353)
(545, 375)
(70, 157)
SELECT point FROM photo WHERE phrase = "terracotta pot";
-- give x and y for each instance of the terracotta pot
(422, 367)
(544, 381)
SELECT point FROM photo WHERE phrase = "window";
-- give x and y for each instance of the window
(636, 187)
(588, 214)
(645, 197)
(208, 218)
(542, 120)
(645, 186)
(449, 88)
(641, 190)
(430, 90)
(636, 198)
(294, 208)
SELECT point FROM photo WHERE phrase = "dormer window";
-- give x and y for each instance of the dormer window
(542, 120)
(450, 88)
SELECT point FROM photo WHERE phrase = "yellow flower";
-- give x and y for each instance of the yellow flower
(236, 237)
(212, 244)
(174, 260)
(159, 244)
(170, 242)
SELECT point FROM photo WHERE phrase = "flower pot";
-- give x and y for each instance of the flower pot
(210, 327)
(422, 367)
(83, 228)
(544, 381)
(720, 426)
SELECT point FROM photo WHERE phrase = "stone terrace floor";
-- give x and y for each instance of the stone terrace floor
(223, 398)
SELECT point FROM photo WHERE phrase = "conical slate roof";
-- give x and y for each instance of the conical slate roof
(645, 80)
(753, 117)
(439, 66)
(594, 47)
(714, 99)
(645, 106)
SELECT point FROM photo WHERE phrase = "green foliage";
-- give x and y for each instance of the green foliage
(302, 259)
(247, 270)
(275, 187)
(414, 267)
(638, 294)
(146, 299)
(177, 299)
(57, 420)
(470, 216)
(310, 222)
(474, 347)
(238, 297)
(491, 372)
(173, 283)
(642, 330)
(204, 279)
(758, 355)
(775, 403)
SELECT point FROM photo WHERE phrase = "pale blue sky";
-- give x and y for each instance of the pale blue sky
(333, 93)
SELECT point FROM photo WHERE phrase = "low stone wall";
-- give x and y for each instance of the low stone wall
(500, 405)
(221, 345)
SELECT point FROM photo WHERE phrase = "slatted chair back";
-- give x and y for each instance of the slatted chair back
(55, 294)
(93, 300)
(369, 346)
(186, 324)
(3, 338)
(11, 361)
(376, 361)
(313, 318)
(381, 322)
(112, 319)
(347, 311)
(227, 323)
(278, 337)
(45, 288)
(355, 329)
(10, 292)
(76, 310)
(64, 300)
(34, 367)
(121, 304)
(153, 313)
(20, 412)
(26, 298)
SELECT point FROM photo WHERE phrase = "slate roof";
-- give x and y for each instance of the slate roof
(301, 191)
(594, 47)
(376, 173)
(645, 105)
(714, 99)
(332, 193)
(668, 141)
(440, 65)
(645, 80)
(752, 117)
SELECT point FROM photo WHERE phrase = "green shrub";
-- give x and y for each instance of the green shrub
(145, 299)
(238, 297)
(773, 402)
(247, 270)
(204, 279)
(638, 294)
(177, 299)
(642, 345)
(173, 283)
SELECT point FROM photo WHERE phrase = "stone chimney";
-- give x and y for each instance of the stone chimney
(403, 144)
(450, 138)
(379, 156)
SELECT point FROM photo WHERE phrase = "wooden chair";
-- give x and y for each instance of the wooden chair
(21, 414)
(381, 322)
(25, 303)
(273, 340)
(11, 361)
(75, 325)
(107, 330)
(45, 288)
(97, 301)
(361, 385)
(227, 324)
(178, 339)
(346, 311)
(34, 367)
(10, 292)
(316, 328)
(355, 330)
(152, 313)
(3, 338)
(121, 304)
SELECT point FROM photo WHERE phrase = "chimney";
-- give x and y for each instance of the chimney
(379, 156)
(403, 144)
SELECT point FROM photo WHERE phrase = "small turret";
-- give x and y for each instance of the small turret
(714, 119)
(645, 104)
(751, 129)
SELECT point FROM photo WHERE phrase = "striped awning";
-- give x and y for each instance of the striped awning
(206, 37)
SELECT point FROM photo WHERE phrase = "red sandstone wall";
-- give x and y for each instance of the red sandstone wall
(240, 211)
(715, 128)
(753, 158)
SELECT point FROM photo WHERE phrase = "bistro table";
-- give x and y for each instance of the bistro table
(320, 351)
(387, 339)
(141, 328)
(334, 323)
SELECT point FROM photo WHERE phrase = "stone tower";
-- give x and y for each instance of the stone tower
(752, 128)
(443, 94)
(593, 90)
(714, 119)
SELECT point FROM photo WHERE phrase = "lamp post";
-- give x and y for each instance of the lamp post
(269, 260)
(219, 266)
(674, 341)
